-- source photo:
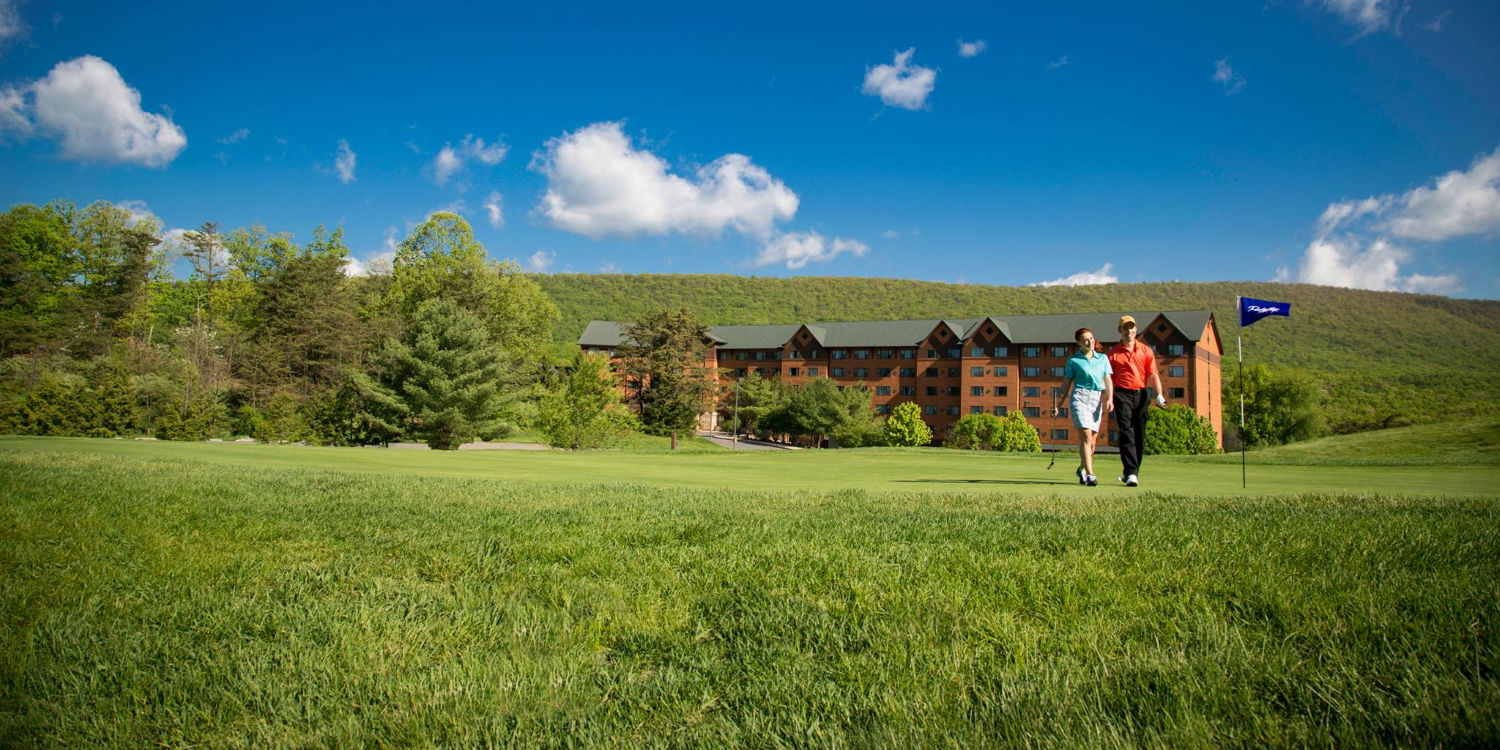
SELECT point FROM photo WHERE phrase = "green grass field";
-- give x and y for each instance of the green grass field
(186, 595)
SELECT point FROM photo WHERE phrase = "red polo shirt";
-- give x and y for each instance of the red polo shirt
(1132, 368)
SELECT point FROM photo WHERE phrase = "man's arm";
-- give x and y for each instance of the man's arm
(1161, 396)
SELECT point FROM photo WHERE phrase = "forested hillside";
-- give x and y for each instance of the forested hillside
(1383, 357)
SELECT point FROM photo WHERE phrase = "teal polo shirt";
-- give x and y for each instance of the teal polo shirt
(1088, 372)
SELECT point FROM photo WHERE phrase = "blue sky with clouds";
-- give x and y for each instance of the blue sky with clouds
(1347, 142)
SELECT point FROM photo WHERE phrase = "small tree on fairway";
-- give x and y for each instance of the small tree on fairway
(584, 411)
(662, 361)
(819, 409)
(1281, 406)
(1015, 434)
(1179, 430)
(975, 432)
(449, 375)
(905, 426)
(758, 396)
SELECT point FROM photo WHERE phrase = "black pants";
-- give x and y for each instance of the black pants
(1130, 420)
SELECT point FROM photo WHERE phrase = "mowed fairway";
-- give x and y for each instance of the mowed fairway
(157, 594)
(872, 470)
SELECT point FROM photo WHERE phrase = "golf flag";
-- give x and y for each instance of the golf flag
(1252, 309)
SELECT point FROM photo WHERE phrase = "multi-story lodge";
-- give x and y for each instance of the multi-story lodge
(955, 366)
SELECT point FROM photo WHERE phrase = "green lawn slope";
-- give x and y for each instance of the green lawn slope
(1383, 357)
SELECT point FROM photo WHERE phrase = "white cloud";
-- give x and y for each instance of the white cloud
(1058, 63)
(1460, 203)
(344, 163)
(98, 118)
(11, 25)
(609, 268)
(13, 118)
(1225, 75)
(451, 159)
(797, 249)
(971, 49)
(1084, 278)
(458, 207)
(1369, 15)
(138, 210)
(540, 261)
(494, 209)
(377, 264)
(1436, 25)
(599, 184)
(901, 84)
(890, 234)
(236, 136)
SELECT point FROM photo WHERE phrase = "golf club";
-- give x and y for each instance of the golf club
(1054, 429)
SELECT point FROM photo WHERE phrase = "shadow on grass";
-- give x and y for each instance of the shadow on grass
(981, 481)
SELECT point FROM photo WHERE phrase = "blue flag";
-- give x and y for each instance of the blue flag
(1252, 309)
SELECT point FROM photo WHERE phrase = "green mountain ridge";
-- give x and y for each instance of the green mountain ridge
(1383, 357)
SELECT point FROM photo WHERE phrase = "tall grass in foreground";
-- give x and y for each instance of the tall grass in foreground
(164, 603)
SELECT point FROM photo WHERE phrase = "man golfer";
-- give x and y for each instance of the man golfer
(1132, 362)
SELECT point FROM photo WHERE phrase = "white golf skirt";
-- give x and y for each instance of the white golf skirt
(1088, 408)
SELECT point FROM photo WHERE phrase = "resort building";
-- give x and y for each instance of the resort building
(998, 364)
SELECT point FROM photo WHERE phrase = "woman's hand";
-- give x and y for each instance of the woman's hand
(1054, 411)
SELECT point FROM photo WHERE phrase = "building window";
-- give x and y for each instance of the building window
(760, 355)
(931, 372)
(812, 372)
(955, 353)
(953, 372)
(1176, 371)
(953, 411)
(776, 354)
(908, 390)
(1001, 372)
(1057, 392)
(1174, 350)
(976, 372)
(977, 351)
(882, 390)
(951, 391)
(796, 354)
(1059, 351)
(882, 353)
(1177, 393)
(908, 372)
(932, 354)
(816, 354)
(976, 390)
(932, 390)
(1001, 390)
(740, 373)
(861, 353)
(882, 372)
(882, 408)
(739, 355)
(1031, 351)
(839, 353)
(1057, 372)
(929, 410)
(794, 372)
(761, 371)
(1031, 392)
(908, 353)
(1062, 412)
(1031, 372)
(1059, 434)
(1001, 411)
(1031, 411)
(861, 372)
(1002, 351)
(1114, 436)
(837, 372)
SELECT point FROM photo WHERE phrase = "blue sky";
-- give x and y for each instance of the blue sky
(1347, 142)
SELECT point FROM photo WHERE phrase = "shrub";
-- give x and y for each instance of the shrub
(975, 432)
(1179, 430)
(905, 426)
(1015, 434)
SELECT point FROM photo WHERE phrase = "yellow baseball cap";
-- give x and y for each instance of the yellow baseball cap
(1126, 320)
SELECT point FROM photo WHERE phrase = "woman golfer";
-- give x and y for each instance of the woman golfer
(1087, 379)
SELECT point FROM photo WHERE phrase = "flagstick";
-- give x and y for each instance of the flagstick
(1240, 345)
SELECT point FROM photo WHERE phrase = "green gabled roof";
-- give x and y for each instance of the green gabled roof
(1018, 329)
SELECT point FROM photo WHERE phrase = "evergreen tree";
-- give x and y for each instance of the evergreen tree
(662, 362)
(449, 375)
